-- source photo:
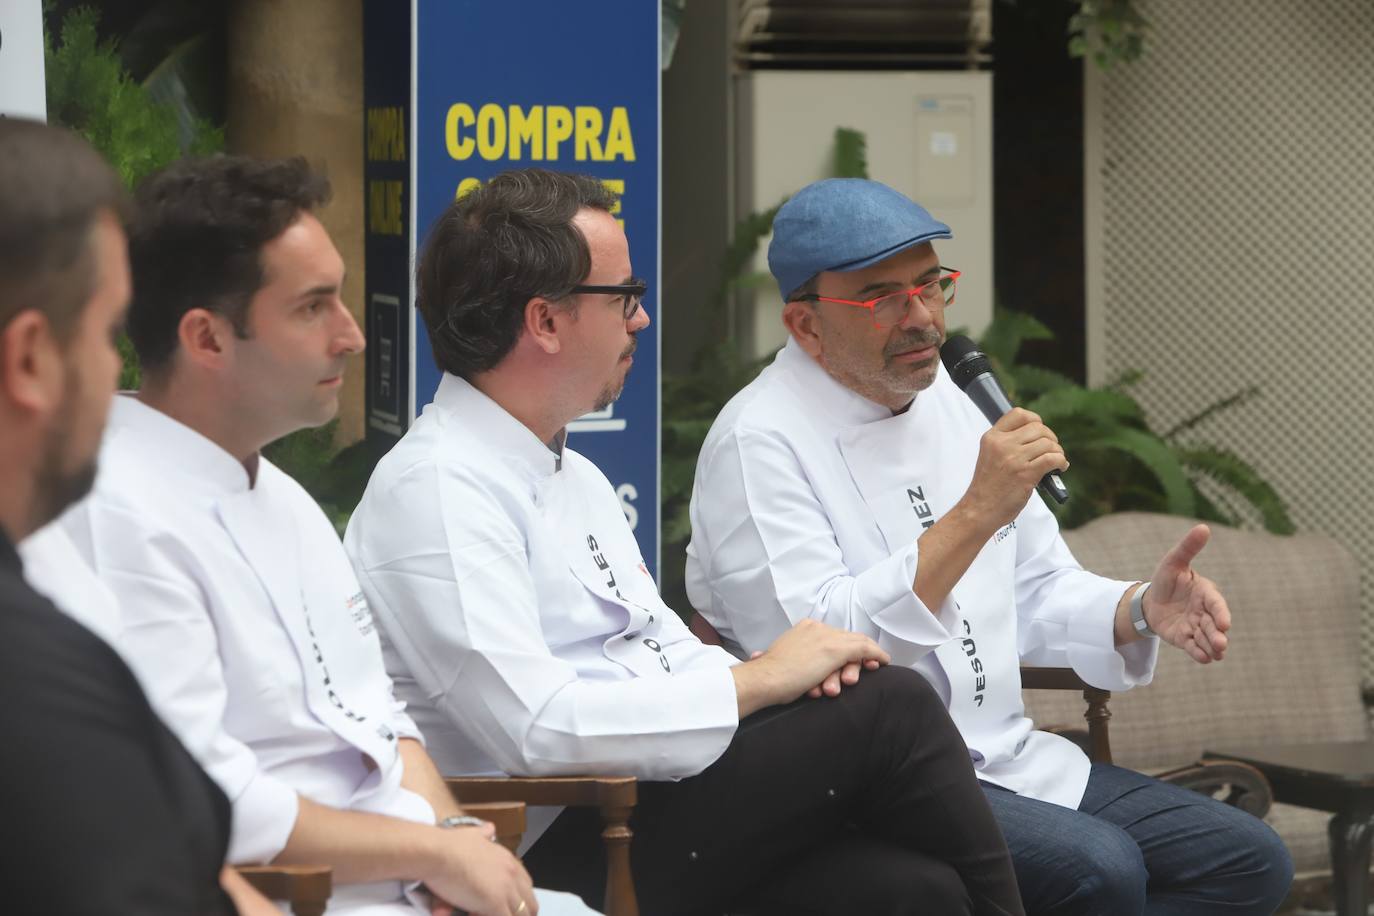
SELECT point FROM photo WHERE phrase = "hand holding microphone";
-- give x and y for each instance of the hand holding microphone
(1018, 453)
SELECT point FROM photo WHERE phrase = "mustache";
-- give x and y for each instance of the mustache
(913, 340)
(629, 351)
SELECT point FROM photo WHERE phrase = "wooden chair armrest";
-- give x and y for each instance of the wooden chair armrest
(508, 816)
(1033, 678)
(305, 887)
(1097, 713)
(1229, 781)
(574, 791)
(614, 796)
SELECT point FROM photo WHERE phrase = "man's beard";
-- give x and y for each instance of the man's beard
(611, 392)
(57, 487)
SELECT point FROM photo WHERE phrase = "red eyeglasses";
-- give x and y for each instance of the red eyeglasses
(890, 309)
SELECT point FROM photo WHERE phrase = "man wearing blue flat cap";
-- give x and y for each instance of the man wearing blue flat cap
(852, 483)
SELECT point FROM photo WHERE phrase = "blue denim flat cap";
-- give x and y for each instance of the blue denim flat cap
(844, 224)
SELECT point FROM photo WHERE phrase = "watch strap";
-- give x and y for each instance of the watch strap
(1138, 621)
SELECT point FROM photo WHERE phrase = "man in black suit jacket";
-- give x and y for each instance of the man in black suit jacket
(102, 811)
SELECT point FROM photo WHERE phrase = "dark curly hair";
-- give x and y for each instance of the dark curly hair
(196, 241)
(53, 185)
(495, 249)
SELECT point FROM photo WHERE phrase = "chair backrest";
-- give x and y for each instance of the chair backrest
(1292, 671)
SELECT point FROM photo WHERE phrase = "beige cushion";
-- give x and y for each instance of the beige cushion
(1291, 674)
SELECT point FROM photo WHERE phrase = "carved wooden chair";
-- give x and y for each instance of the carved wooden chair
(614, 796)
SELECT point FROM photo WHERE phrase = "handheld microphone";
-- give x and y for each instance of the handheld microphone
(971, 371)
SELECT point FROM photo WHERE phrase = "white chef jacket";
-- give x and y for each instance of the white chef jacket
(245, 624)
(519, 621)
(56, 569)
(808, 502)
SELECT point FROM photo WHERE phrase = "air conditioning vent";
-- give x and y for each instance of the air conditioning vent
(863, 34)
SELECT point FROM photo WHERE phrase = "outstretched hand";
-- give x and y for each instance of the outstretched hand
(1184, 608)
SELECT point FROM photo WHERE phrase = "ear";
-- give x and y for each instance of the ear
(541, 324)
(32, 370)
(804, 324)
(204, 337)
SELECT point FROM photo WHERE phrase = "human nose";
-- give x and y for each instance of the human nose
(919, 313)
(640, 319)
(349, 339)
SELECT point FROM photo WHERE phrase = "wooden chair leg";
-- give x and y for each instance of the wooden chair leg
(1097, 715)
(620, 886)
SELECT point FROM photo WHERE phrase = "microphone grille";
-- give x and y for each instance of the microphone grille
(963, 360)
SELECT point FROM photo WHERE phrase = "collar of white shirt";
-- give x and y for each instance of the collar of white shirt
(501, 432)
(177, 446)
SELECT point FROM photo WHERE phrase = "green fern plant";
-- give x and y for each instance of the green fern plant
(1119, 462)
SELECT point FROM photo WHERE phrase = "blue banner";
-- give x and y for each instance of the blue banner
(565, 86)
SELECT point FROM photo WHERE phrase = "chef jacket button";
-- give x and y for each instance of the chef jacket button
(830, 793)
(693, 856)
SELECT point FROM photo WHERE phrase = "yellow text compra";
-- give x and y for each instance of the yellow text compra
(540, 133)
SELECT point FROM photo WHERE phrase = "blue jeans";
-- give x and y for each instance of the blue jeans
(1140, 846)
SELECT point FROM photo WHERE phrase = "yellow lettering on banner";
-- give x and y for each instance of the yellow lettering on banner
(460, 113)
(384, 207)
(466, 187)
(527, 128)
(618, 140)
(491, 132)
(588, 133)
(386, 136)
(558, 128)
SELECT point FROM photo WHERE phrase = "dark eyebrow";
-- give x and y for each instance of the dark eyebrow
(324, 289)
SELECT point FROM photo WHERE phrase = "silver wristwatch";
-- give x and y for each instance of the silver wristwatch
(1142, 627)
(461, 820)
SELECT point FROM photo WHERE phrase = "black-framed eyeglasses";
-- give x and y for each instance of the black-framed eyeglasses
(633, 293)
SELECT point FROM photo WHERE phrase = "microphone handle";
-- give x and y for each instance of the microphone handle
(988, 396)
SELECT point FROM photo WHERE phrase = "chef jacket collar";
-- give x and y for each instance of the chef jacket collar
(500, 431)
(818, 389)
(171, 442)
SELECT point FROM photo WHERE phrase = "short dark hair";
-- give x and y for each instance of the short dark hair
(495, 249)
(53, 185)
(196, 241)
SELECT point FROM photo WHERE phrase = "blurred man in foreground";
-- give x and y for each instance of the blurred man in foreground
(103, 809)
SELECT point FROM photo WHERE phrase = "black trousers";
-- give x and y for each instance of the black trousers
(861, 803)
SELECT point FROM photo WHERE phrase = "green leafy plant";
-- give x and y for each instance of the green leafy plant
(1107, 32)
(90, 90)
(1119, 462)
